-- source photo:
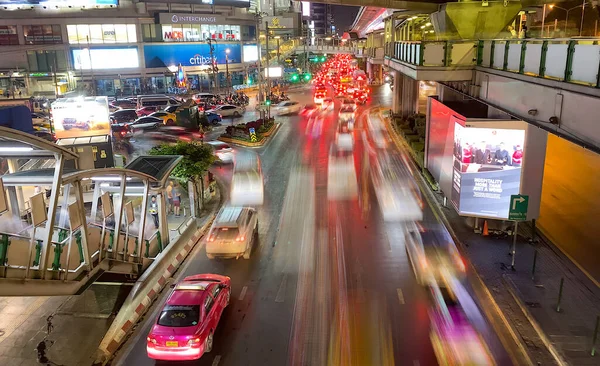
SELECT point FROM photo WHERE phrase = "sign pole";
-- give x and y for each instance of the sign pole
(514, 247)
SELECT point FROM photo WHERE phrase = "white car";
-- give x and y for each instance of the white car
(228, 110)
(347, 114)
(222, 151)
(287, 107)
(343, 137)
(233, 233)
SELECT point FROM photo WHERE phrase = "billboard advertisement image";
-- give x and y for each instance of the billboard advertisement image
(78, 117)
(190, 54)
(486, 169)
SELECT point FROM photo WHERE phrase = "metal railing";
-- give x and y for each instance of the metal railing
(568, 60)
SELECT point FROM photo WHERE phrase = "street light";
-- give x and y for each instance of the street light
(567, 16)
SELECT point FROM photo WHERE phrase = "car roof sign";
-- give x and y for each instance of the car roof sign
(191, 286)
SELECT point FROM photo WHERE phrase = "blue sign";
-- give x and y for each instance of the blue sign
(190, 54)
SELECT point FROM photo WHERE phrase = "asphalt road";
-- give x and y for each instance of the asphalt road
(329, 282)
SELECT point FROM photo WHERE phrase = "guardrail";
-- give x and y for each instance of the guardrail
(568, 60)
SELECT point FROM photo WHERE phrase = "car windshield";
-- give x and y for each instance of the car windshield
(179, 316)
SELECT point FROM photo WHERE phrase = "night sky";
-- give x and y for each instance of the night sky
(343, 17)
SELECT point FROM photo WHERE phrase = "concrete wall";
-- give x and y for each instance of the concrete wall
(570, 206)
(576, 107)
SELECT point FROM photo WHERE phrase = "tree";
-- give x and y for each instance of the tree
(197, 158)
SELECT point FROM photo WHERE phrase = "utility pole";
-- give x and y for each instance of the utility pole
(305, 34)
(213, 66)
(259, 16)
(227, 68)
(267, 74)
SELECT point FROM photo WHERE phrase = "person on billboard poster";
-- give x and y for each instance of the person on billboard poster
(502, 157)
(517, 157)
(466, 153)
(482, 154)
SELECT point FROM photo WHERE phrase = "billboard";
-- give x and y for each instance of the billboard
(63, 3)
(250, 53)
(158, 55)
(78, 117)
(105, 58)
(487, 165)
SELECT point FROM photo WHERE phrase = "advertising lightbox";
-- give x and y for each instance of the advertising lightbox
(105, 58)
(78, 117)
(250, 52)
(487, 157)
(158, 56)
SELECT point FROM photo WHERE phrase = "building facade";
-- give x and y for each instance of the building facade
(124, 47)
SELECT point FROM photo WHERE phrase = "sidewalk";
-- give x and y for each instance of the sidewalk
(550, 337)
(79, 321)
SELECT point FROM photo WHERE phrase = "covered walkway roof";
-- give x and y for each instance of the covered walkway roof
(22, 145)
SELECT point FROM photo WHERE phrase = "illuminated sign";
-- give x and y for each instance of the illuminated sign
(65, 3)
(487, 168)
(170, 18)
(105, 58)
(78, 117)
(250, 53)
(173, 35)
(157, 55)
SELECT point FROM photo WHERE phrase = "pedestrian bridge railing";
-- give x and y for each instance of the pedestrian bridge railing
(567, 60)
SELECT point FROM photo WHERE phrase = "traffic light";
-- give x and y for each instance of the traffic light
(249, 81)
(294, 78)
(323, 58)
(307, 76)
(267, 102)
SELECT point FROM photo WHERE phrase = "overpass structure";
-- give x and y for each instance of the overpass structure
(55, 242)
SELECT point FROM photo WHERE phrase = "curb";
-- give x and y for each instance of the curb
(261, 143)
(512, 289)
(141, 302)
(477, 283)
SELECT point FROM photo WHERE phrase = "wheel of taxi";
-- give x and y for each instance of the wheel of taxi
(208, 343)
(170, 122)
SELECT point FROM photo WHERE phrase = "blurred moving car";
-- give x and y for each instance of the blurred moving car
(213, 118)
(123, 115)
(122, 129)
(377, 131)
(247, 187)
(222, 151)
(341, 175)
(168, 119)
(359, 96)
(319, 96)
(343, 137)
(395, 189)
(455, 341)
(174, 134)
(287, 107)
(147, 110)
(348, 103)
(433, 256)
(186, 325)
(124, 103)
(228, 110)
(147, 123)
(233, 233)
(347, 114)
(327, 104)
(309, 110)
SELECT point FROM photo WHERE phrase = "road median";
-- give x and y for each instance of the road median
(265, 136)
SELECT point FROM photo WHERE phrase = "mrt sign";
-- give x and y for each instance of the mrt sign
(518, 207)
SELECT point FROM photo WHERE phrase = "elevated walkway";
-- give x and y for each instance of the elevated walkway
(547, 82)
(54, 243)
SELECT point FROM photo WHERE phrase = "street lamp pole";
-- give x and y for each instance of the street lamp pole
(278, 54)
(259, 16)
(267, 68)
(227, 68)
(582, 15)
(212, 63)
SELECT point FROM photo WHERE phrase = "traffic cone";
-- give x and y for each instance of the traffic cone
(485, 228)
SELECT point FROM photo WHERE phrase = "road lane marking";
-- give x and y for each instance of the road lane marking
(400, 296)
(281, 293)
(243, 293)
(216, 360)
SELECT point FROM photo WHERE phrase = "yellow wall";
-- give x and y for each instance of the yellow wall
(570, 208)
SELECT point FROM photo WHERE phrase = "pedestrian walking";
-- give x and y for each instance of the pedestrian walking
(177, 199)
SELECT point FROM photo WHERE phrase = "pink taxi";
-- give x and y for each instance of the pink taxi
(186, 325)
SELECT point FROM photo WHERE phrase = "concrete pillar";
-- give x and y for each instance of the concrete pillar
(397, 93)
(369, 70)
(410, 96)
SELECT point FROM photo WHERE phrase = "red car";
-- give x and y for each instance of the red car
(186, 325)
(145, 111)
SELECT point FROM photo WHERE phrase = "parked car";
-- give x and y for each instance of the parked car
(187, 322)
(122, 129)
(145, 124)
(287, 107)
(228, 110)
(233, 233)
(309, 110)
(168, 119)
(123, 115)
(147, 110)
(171, 109)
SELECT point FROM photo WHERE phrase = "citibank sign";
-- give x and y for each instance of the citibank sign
(170, 18)
(199, 60)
